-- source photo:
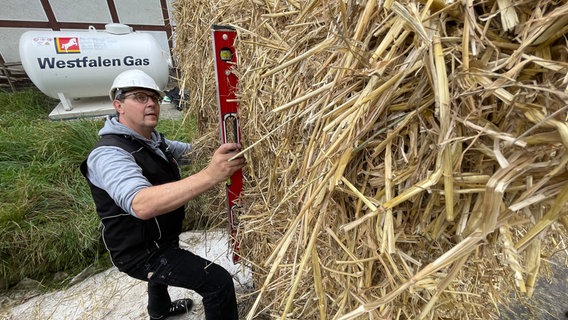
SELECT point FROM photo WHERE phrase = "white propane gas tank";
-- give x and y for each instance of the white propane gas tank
(76, 64)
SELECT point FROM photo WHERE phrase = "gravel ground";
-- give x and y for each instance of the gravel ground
(169, 111)
(549, 301)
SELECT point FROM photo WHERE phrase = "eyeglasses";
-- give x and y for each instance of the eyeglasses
(142, 97)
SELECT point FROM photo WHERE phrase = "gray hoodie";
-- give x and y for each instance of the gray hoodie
(115, 170)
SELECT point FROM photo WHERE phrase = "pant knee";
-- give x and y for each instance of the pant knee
(224, 278)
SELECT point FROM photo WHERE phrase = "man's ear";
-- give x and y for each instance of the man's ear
(118, 106)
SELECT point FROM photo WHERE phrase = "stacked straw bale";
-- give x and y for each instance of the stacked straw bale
(406, 159)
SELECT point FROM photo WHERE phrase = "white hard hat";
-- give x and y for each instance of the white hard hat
(133, 79)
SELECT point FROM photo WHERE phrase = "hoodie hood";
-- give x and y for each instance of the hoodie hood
(112, 126)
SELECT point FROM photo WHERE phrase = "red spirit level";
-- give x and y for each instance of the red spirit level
(225, 59)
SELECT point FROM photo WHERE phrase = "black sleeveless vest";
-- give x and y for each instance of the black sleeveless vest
(128, 239)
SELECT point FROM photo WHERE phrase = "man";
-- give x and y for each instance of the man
(135, 182)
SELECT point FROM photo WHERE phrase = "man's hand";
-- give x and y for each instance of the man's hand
(220, 168)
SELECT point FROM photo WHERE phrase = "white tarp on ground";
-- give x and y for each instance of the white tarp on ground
(112, 295)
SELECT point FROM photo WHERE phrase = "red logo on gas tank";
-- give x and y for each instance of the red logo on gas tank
(67, 45)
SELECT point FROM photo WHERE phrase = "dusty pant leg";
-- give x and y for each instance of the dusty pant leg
(220, 300)
(158, 299)
(182, 268)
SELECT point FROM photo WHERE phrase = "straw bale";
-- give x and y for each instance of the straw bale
(406, 159)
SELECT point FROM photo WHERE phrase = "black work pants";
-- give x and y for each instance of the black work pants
(181, 268)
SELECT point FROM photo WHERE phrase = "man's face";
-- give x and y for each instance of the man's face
(139, 110)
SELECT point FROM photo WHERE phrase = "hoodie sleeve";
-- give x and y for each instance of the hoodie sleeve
(115, 171)
(179, 149)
